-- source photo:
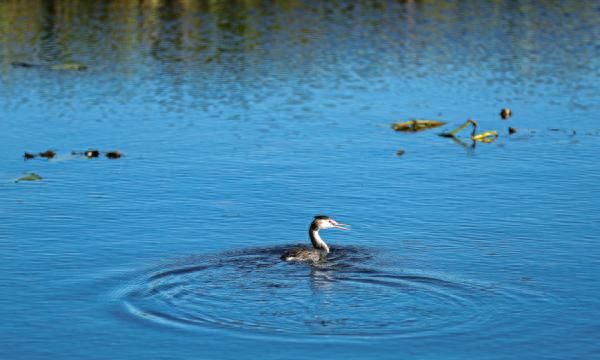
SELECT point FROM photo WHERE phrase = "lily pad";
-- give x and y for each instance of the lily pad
(416, 125)
(29, 177)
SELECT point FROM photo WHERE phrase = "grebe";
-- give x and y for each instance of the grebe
(321, 249)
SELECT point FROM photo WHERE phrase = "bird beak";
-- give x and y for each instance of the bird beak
(342, 226)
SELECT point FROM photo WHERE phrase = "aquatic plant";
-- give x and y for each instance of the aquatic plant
(416, 125)
(487, 136)
(29, 177)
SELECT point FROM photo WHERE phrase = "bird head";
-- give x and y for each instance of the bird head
(325, 222)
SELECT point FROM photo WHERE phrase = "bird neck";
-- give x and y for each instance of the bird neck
(315, 239)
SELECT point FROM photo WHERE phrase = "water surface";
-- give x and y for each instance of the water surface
(240, 121)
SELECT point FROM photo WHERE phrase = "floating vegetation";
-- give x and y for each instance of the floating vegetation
(505, 113)
(29, 177)
(457, 130)
(416, 125)
(486, 137)
(48, 154)
(114, 154)
(483, 137)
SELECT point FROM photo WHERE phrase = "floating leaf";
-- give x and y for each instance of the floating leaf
(416, 125)
(486, 137)
(69, 67)
(29, 177)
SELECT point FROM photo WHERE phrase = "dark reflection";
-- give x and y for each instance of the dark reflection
(469, 145)
(320, 279)
(424, 32)
(167, 41)
(50, 49)
(245, 51)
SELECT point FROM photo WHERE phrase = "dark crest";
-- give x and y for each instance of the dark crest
(322, 217)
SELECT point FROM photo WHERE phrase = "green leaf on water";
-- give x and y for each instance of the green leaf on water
(29, 177)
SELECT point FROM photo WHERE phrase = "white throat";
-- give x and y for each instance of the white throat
(316, 240)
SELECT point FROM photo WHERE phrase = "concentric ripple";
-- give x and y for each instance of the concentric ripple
(254, 292)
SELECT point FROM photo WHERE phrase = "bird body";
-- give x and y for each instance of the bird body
(320, 248)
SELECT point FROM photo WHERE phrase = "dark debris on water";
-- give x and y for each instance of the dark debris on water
(28, 156)
(90, 154)
(114, 154)
(48, 154)
(505, 113)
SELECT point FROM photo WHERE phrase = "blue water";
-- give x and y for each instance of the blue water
(240, 121)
